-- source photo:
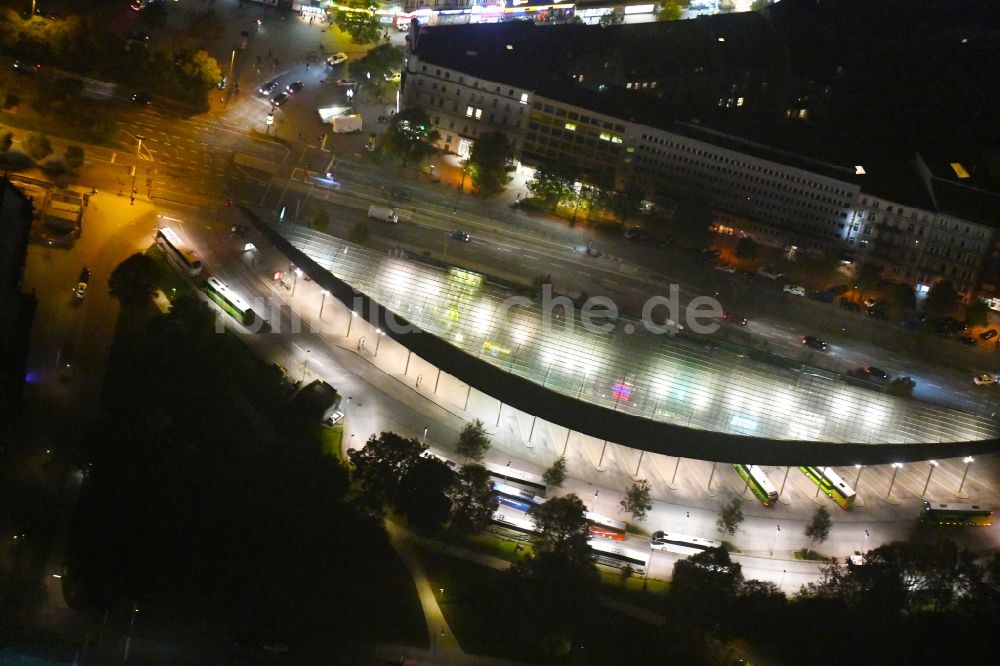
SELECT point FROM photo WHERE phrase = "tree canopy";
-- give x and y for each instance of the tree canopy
(818, 529)
(730, 517)
(489, 164)
(379, 467)
(133, 282)
(410, 138)
(473, 442)
(371, 70)
(358, 19)
(637, 501)
(472, 500)
(555, 475)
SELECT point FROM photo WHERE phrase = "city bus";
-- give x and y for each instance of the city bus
(513, 522)
(227, 299)
(516, 498)
(607, 528)
(758, 483)
(831, 484)
(510, 474)
(681, 543)
(957, 514)
(177, 252)
(614, 555)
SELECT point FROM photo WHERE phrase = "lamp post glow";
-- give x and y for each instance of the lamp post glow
(423, 439)
(968, 461)
(865, 542)
(857, 479)
(895, 470)
(350, 322)
(378, 339)
(933, 464)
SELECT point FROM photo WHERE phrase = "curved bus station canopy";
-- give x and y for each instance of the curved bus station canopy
(682, 395)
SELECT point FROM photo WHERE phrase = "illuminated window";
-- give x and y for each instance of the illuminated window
(479, 114)
(524, 98)
(570, 126)
(615, 138)
(468, 111)
(605, 136)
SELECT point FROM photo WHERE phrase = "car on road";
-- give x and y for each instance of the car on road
(966, 340)
(295, 87)
(81, 286)
(22, 67)
(279, 99)
(794, 290)
(142, 97)
(636, 234)
(822, 296)
(346, 83)
(815, 343)
(988, 335)
(334, 419)
(725, 268)
(268, 88)
(459, 235)
(878, 311)
(876, 373)
(770, 273)
(735, 318)
(336, 59)
(984, 379)
(849, 305)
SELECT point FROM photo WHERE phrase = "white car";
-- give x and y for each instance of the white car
(336, 59)
(985, 379)
(334, 418)
(725, 268)
(394, 77)
(794, 290)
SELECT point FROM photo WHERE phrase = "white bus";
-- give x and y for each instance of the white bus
(681, 543)
(615, 555)
(177, 252)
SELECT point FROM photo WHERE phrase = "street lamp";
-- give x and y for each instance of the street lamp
(865, 542)
(305, 363)
(423, 439)
(774, 540)
(933, 464)
(295, 278)
(857, 479)
(322, 303)
(350, 322)
(378, 339)
(895, 470)
(968, 461)
(232, 61)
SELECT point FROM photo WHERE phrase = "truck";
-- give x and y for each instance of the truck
(345, 124)
(383, 213)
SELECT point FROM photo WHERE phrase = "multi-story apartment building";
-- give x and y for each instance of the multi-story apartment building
(603, 116)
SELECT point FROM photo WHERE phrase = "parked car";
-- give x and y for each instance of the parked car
(822, 296)
(878, 311)
(400, 194)
(815, 343)
(725, 268)
(966, 340)
(985, 379)
(794, 290)
(749, 276)
(336, 59)
(268, 88)
(294, 87)
(876, 373)
(838, 289)
(334, 418)
(636, 234)
(706, 255)
(988, 335)
(849, 305)
(346, 83)
(279, 99)
(459, 235)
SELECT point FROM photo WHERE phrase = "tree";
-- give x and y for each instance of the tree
(977, 313)
(818, 529)
(358, 19)
(693, 222)
(321, 220)
(410, 137)
(38, 145)
(902, 296)
(154, 15)
(868, 276)
(747, 248)
(552, 185)
(901, 387)
(133, 282)
(730, 517)
(941, 298)
(360, 233)
(380, 465)
(562, 528)
(637, 500)
(423, 495)
(74, 156)
(6, 138)
(472, 500)
(489, 164)
(473, 443)
(371, 71)
(194, 318)
(704, 587)
(670, 10)
(626, 202)
(200, 69)
(556, 474)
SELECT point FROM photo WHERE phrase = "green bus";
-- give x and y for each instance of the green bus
(758, 483)
(831, 484)
(957, 514)
(227, 299)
